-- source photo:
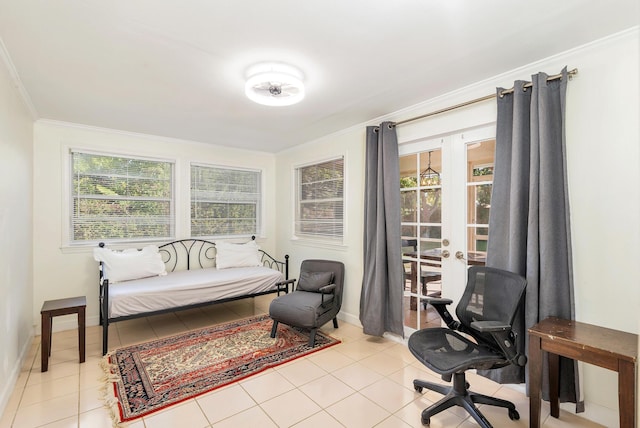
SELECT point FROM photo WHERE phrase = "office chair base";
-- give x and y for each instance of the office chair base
(459, 395)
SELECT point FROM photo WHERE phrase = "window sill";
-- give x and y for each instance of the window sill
(88, 247)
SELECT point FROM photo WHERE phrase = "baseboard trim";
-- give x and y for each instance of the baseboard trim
(10, 384)
(350, 318)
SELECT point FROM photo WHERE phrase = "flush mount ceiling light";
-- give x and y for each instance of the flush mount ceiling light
(274, 84)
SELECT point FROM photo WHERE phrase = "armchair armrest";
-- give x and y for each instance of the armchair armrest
(327, 289)
(284, 286)
(504, 337)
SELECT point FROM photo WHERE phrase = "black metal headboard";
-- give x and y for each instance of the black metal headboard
(192, 253)
(186, 254)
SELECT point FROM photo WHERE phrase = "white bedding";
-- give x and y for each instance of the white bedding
(188, 287)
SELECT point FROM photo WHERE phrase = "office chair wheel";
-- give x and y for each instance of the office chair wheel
(418, 388)
(426, 421)
(514, 415)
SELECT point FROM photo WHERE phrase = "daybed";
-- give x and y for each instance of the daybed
(183, 274)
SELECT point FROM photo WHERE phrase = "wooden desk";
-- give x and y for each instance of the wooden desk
(611, 349)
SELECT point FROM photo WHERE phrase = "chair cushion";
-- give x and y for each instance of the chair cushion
(300, 308)
(313, 281)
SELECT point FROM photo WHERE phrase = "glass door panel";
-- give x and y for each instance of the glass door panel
(480, 160)
(421, 227)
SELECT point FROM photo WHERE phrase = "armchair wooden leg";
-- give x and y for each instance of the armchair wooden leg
(312, 337)
(274, 328)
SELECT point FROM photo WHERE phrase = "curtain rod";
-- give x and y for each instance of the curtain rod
(477, 100)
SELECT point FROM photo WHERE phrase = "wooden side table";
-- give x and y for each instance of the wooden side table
(54, 308)
(604, 347)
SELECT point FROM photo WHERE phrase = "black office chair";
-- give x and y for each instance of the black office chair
(485, 312)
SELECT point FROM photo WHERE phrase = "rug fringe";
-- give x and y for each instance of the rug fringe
(110, 402)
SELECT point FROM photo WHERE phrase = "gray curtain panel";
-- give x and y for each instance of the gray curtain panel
(381, 296)
(529, 231)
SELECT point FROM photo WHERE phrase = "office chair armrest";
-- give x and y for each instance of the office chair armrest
(437, 301)
(440, 304)
(327, 289)
(504, 337)
(489, 326)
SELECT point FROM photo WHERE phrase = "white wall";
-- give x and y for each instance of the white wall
(61, 271)
(16, 208)
(603, 149)
(350, 145)
(604, 175)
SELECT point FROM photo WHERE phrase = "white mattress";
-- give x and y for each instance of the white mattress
(187, 288)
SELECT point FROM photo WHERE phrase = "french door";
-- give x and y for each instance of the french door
(445, 186)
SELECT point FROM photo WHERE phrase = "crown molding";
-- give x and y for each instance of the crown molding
(17, 83)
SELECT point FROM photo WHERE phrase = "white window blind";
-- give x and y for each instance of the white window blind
(120, 198)
(225, 201)
(320, 200)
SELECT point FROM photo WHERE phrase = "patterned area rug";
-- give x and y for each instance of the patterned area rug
(154, 375)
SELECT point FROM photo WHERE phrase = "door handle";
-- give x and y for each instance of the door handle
(445, 254)
(460, 255)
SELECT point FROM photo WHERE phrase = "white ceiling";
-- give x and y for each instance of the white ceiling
(176, 68)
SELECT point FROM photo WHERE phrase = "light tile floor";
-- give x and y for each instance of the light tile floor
(363, 382)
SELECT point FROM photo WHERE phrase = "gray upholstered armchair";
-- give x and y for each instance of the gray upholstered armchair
(316, 300)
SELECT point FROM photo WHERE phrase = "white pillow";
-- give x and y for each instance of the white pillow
(130, 264)
(237, 255)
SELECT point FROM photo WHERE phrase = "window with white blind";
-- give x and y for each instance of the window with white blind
(120, 198)
(225, 201)
(320, 200)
